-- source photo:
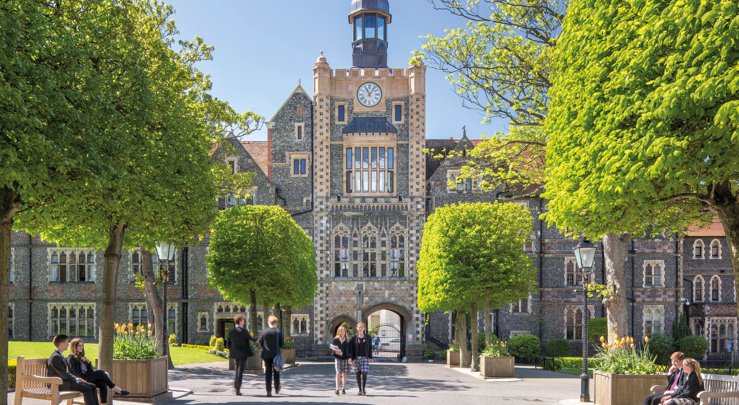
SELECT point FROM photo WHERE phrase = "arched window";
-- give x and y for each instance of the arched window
(715, 249)
(572, 277)
(341, 251)
(698, 249)
(698, 289)
(715, 289)
(304, 326)
(573, 323)
(202, 321)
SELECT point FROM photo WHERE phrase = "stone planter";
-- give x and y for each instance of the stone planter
(254, 363)
(621, 389)
(289, 355)
(143, 378)
(491, 367)
(452, 359)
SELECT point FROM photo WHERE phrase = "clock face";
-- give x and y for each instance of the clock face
(369, 94)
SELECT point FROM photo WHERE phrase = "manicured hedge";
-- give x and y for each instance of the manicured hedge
(11, 374)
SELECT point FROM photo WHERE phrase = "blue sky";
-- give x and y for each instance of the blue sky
(264, 47)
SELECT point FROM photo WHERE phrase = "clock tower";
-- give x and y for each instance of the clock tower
(369, 183)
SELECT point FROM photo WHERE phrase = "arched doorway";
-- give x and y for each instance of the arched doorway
(389, 322)
(336, 322)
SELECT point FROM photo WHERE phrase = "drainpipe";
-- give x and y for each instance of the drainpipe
(30, 288)
(632, 252)
(678, 281)
(541, 272)
(602, 274)
(184, 295)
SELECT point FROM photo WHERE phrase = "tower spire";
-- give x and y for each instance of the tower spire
(370, 19)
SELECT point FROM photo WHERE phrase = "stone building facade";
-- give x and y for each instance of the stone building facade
(348, 163)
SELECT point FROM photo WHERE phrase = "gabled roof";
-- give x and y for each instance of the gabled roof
(716, 228)
(297, 90)
(259, 152)
(439, 150)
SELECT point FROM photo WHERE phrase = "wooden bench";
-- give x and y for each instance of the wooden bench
(31, 381)
(719, 390)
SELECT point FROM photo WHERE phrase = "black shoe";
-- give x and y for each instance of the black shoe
(277, 390)
(239, 393)
(124, 392)
(337, 392)
(360, 392)
(343, 391)
(269, 393)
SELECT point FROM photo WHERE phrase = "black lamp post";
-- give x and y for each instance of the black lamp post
(585, 255)
(165, 252)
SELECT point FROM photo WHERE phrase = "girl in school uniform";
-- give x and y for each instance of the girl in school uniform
(361, 353)
(340, 347)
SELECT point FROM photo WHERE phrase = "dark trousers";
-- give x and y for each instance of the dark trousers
(102, 381)
(240, 363)
(88, 390)
(269, 371)
(652, 399)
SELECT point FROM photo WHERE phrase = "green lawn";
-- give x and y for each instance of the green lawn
(180, 355)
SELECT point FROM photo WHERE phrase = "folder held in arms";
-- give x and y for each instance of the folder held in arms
(334, 348)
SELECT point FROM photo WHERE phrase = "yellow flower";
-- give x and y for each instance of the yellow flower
(646, 339)
(602, 339)
(632, 345)
(631, 339)
(130, 326)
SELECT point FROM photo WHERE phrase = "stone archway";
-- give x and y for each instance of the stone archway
(335, 323)
(404, 323)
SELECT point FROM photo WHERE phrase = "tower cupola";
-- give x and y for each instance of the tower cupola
(370, 19)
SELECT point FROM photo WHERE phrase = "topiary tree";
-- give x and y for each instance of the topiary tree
(559, 348)
(258, 253)
(524, 346)
(662, 346)
(471, 254)
(693, 346)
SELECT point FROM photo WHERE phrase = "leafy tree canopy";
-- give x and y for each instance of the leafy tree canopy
(261, 249)
(472, 253)
(644, 114)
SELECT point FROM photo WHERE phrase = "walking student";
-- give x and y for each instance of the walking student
(239, 345)
(81, 367)
(271, 341)
(57, 367)
(360, 347)
(340, 347)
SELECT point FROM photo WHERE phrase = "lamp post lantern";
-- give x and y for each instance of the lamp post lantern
(165, 253)
(585, 255)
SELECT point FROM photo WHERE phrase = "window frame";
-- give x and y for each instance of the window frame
(715, 243)
(207, 321)
(138, 306)
(346, 111)
(299, 131)
(71, 267)
(653, 310)
(68, 331)
(698, 244)
(654, 264)
(300, 318)
(395, 105)
(699, 279)
(302, 159)
(719, 285)
(384, 174)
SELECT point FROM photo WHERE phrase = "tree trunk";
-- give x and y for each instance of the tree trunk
(278, 314)
(253, 312)
(116, 236)
(727, 208)
(153, 299)
(461, 326)
(486, 320)
(288, 320)
(9, 206)
(474, 364)
(616, 250)
(265, 314)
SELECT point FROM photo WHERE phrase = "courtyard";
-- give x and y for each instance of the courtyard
(388, 383)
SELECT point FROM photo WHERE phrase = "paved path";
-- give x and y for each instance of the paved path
(388, 383)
